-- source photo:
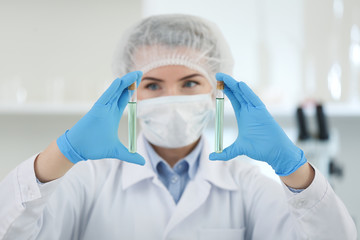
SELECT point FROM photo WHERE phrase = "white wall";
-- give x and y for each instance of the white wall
(55, 58)
(60, 51)
(265, 37)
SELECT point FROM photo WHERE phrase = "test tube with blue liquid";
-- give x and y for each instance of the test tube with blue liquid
(132, 117)
(219, 119)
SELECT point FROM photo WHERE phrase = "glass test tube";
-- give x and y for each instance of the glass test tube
(132, 117)
(219, 120)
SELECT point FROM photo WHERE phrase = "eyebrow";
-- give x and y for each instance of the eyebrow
(181, 79)
(153, 79)
(191, 76)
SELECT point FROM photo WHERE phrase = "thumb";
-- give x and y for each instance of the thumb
(125, 155)
(227, 154)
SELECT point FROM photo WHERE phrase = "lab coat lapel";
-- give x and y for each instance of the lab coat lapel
(197, 191)
(194, 196)
(210, 174)
(133, 173)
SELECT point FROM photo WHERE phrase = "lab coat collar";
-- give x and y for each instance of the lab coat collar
(216, 172)
(192, 159)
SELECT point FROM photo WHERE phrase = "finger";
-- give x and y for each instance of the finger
(249, 95)
(130, 78)
(227, 154)
(232, 84)
(234, 101)
(123, 101)
(107, 95)
(118, 86)
(126, 156)
(229, 81)
(123, 95)
(140, 74)
(231, 95)
(244, 97)
(133, 158)
(126, 81)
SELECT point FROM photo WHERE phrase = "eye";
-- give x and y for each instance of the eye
(152, 86)
(190, 84)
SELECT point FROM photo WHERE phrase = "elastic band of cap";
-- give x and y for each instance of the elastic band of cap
(177, 61)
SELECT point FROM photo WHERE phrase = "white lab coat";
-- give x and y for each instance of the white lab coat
(109, 199)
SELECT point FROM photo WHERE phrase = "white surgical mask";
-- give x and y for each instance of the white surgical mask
(175, 121)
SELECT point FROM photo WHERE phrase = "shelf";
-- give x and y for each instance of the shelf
(334, 110)
(44, 109)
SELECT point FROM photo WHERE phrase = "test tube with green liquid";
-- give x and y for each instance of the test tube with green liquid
(132, 117)
(219, 119)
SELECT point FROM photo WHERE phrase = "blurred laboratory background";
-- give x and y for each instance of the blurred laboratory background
(301, 57)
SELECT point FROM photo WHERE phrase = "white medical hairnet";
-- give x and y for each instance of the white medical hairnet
(174, 39)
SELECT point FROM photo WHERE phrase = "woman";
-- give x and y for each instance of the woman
(169, 189)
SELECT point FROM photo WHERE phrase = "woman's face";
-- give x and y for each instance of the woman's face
(172, 80)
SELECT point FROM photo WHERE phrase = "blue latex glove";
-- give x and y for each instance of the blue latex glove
(260, 137)
(95, 136)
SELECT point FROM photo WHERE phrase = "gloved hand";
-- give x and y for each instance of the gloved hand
(260, 137)
(95, 136)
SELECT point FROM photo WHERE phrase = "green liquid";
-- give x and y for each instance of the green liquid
(219, 125)
(132, 126)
